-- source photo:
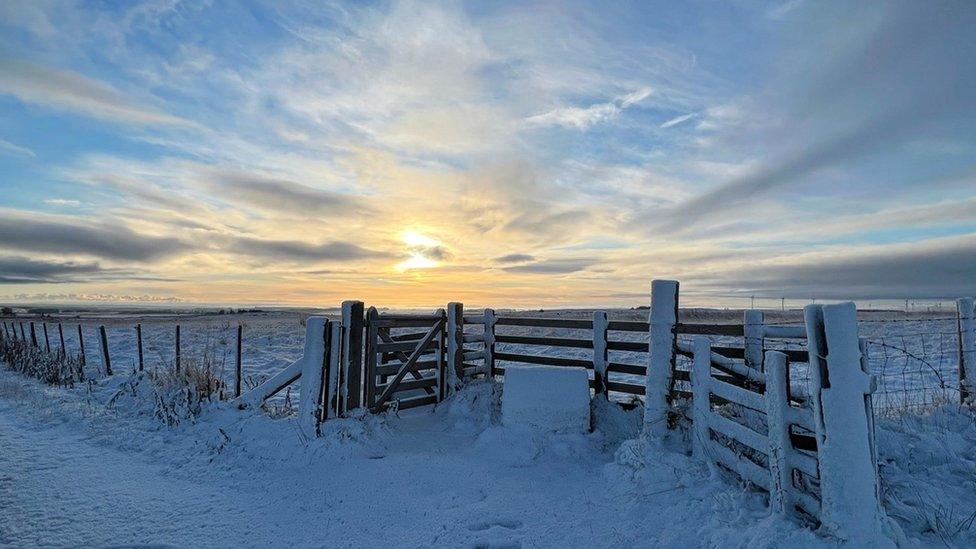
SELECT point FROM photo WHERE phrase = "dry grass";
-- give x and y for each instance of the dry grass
(52, 368)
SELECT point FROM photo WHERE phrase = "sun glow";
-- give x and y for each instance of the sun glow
(418, 243)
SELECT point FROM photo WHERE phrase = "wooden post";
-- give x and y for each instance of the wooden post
(352, 361)
(64, 352)
(22, 336)
(33, 335)
(81, 344)
(849, 486)
(178, 358)
(455, 346)
(47, 340)
(701, 375)
(331, 392)
(967, 349)
(752, 327)
(777, 404)
(440, 356)
(662, 356)
(106, 359)
(600, 353)
(237, 362)
(313, 371)
(372, 327)
(139, 345)
(489, 343)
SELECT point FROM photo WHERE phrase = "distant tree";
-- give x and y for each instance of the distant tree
(6, 311)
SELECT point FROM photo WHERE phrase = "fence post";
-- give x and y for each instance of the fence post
(967, 349)
(701, 374)
(440, 357)
(661, 361)
(310, 402)
(64, 352)
(33, 335)
(81, 344)
(489, 343)
(455, 345)
(237, 362)
(105, 356)
(600, 354)
(139, 344)
(777, 401)
(47, 340)
(352, 361)
(850, 501)
(178, 358)
(331, 397)
(752, 327)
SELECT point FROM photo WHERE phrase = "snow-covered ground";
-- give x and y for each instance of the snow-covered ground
(90, 465)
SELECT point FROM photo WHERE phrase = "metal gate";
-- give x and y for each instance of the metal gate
(405, 359)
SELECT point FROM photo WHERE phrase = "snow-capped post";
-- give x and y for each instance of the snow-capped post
(106, 359)
(752, 328)
(352, 357)
(701, 374)
(237, 362)
(489, 343)
(455, 335)
(372, 337)
(331, 392)
(967, 350)
(778, 434)
(178, 358)
(139, 344)
(47, 341)
(310, 402)
(600, 354)
(841, 386)
(661, 358)
(439, 357)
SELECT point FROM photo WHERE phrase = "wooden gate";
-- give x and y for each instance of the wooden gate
(399, 346)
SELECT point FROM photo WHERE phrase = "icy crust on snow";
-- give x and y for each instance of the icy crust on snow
(563, 406)
(93, 466)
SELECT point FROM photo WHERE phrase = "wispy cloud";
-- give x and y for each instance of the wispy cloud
(8, 147)
(69, 90)
(583, 117)
(678, 120)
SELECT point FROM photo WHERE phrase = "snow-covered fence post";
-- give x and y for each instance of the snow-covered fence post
(662, 356)
(352, 356)
(600, 354)
(331, 392)
(455, 339)
(701, 373)
(752, 328)
(777, 404)
(967, 349)
(310, 404)
(490, 343)
(841, 386)
(106, 359)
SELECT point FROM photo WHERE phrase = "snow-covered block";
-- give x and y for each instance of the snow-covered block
(546, 398)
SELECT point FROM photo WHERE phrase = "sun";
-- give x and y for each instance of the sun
(417, 243)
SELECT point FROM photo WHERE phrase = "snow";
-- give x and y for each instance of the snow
(90, 465)
(563, 407)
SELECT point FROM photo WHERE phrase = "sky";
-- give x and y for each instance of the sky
(495, 153)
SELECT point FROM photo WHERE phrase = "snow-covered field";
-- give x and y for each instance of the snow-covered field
(79, 467)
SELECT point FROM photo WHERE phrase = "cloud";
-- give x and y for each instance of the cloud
(7, 146)
(68, 90)
(583, 117)
(267, 193)
(515, 258)
(938, 268)
(24, 270)
(553, 266)
(678, 120)
(41, 233)
(297, 251)
(61, 202)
